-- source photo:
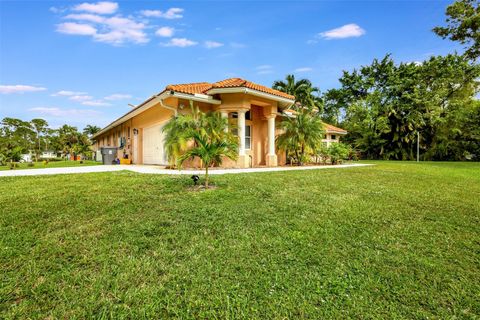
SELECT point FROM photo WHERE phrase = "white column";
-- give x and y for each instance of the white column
(225, 116)
(271, 136)
(241, 132)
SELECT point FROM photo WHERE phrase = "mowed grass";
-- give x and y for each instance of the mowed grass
(52, 164)
(395, 240)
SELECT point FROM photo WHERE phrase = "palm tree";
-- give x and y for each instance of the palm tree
(210, 150)
(301, 134)
(202, 135)
(90, 130)
(305, 93)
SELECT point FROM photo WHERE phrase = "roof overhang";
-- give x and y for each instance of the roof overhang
(336, 132)
(154, 100)
(284, 101)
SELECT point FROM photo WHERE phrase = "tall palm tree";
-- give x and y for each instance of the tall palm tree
(305, 93)
(301, 134)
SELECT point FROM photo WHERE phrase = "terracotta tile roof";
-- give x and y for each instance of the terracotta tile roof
(238, 82)
(330, 128)
(191, 88)
(203, 87)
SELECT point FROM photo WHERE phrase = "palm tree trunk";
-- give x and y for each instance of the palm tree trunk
(206, 177)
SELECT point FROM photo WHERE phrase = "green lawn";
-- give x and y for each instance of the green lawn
(53, 164)
(396, 240)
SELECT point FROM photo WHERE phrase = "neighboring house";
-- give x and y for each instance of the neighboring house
(253, 109)
(48, 155)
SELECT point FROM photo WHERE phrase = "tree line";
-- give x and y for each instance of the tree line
(18, 137)
(387, 106)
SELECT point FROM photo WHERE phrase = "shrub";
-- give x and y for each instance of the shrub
(338, 152)
(30, 164)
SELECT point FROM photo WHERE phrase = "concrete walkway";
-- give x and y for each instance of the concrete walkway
(159, 170)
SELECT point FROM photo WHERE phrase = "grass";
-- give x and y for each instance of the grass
(53, 164)
(396, 240)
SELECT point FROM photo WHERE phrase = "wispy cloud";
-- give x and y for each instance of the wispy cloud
(213, 44)
(95, 103)
(118, 96)
(180, 42)
(80, 29)
(19, 88)
(346, 31)
(172, 13)
(80, 98)
(102, 7)
(264, 69)
(67, 93)
(303, 69)
(166, 32)
(58, 112)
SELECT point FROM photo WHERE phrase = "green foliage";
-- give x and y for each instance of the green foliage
(338, 151)
(386, 105)
(200, 135)
(301, 135)
(463, 19)
(306, 95)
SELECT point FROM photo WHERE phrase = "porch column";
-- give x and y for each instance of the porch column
(271, 156)
(225, 116)
(241, 132)
(242, 157)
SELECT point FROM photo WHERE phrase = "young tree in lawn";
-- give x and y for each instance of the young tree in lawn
(301, 133)
(200, 135)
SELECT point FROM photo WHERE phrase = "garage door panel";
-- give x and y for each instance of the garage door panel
(153, 145)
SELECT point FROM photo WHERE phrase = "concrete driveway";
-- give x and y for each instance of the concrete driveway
(159, 170)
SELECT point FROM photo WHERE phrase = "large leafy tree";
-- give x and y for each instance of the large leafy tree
(386, 105)
(301, 134)
(463, 25)
(306, 95)
(90, 130)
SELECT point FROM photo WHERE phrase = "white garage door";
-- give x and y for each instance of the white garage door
(153, 150)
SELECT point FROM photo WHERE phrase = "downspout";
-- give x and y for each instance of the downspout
(175, 112)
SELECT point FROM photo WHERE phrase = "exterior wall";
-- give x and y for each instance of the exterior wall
(332, 138)
(260, 109)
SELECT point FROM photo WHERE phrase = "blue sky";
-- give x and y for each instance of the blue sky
(84, 62)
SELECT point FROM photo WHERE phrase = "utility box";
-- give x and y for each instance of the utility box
(109, 154)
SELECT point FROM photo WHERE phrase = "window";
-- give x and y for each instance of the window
(333, 137)
(248, 115)
(248, 137)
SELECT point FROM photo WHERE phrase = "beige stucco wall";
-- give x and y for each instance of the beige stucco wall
(260, 108)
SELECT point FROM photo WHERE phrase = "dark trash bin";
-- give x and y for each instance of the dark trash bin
(109, 154)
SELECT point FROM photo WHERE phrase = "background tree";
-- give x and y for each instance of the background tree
(90, 130)
(300, 135)
(305, 93)
(40, 127)
(463, 25)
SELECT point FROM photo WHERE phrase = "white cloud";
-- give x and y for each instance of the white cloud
(66, 93)
(19, 88)
(180, 42)
(165, 32)
(80, 98)
(213, 44)
(264, 69)
(95, 103)
(102, 7)
(303, 69)
(172, 13)
(114, 30)
(346, 31)
(57, 112)
(76, 28)
(118, 96)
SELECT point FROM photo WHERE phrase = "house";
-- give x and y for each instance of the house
(48, 154)
(253, 108)
(333, 134)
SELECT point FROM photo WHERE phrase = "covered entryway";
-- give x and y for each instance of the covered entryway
(153, 146)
